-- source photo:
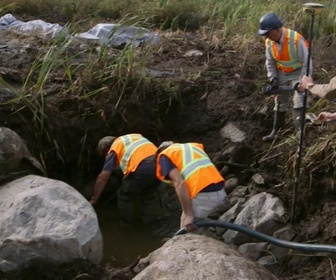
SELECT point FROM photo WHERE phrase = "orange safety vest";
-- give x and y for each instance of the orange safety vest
(131, 149)
(288, 59)
(194, 165)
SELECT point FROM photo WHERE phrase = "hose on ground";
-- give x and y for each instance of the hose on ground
(263, 237)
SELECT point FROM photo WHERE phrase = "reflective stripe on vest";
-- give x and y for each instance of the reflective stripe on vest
(190, 164)
(288, 59)
(130, 145)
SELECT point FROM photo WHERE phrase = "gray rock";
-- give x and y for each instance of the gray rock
(267, 261)
(13, 151)
(253, 250)
(232, 132)
(192, 256)
(231, 184)
(46, 219)
(263, 212)
(240, 191)
(236, 199)
(230, 216)
(258, 180)
(285, 233)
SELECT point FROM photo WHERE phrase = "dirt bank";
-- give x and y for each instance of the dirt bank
(182, 96)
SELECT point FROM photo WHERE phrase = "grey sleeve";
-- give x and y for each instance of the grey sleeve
(270, 65)
(303, 56)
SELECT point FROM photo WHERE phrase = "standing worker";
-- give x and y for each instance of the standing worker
(286, 62)
(135, 156)
(198, 184)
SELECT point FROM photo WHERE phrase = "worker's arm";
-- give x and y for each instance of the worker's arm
(327, 91)
(102, 179)
(183, 195)
(99, 187)
(327, 117)
(270, 65)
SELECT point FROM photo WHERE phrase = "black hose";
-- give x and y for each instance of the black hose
(263, 237)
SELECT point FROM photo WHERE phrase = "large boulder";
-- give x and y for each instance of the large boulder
(45, 219)
(192, 256)
(15, 154)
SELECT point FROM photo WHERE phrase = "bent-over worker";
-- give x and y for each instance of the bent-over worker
(198, 184)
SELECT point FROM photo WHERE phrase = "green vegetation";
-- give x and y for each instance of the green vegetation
(229, 17)
(122, 75)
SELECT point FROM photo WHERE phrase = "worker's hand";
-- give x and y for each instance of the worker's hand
(275, 83)
(306, 83)
(93, 200)
(188, 223)
(327, 117)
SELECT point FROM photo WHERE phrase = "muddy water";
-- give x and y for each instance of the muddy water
(124, 243)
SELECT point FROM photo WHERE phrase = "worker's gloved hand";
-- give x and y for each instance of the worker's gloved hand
(275, 83)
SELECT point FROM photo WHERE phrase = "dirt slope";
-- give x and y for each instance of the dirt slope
(184, 96)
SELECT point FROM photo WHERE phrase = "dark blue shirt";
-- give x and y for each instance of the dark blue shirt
(145, 169)
(166, 166)
(110, 162)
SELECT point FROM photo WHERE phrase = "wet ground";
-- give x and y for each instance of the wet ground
(124, 244)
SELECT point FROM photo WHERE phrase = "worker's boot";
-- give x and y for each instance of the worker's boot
(278, 122)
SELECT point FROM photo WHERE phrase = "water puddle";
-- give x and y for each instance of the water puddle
(124, 243)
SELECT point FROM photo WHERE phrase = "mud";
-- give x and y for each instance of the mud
(209, 91)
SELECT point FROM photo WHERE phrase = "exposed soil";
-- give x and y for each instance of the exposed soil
(181, 98)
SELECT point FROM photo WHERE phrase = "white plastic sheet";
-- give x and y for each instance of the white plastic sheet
(118, 35)
(8, 21)
(103, 33)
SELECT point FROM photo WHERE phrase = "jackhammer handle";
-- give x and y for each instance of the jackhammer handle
(272, 91)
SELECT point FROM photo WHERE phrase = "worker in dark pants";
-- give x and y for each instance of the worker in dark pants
(135, 156)
(286, 62)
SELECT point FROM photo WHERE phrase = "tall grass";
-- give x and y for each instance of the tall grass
(235, 16)
(122, 75)
(116, 76)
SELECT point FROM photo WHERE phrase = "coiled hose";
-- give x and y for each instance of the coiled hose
(263, 237)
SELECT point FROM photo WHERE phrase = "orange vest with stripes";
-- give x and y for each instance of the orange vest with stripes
(194, 165)
(287, 60)
(130, 150)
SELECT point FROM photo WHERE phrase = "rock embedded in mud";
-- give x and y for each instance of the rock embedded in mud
(258, 180)
(232, 132)
(229, 216)
(193, 256)
(262, 212)
(45, 219)
(253, 250)
(231, 184)
(13, 151)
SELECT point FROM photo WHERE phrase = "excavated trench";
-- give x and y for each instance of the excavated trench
(224, 92)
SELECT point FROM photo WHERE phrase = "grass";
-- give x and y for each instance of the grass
(125, 72)
(243, 15)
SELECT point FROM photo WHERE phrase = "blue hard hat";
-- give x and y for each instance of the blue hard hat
(269, 22)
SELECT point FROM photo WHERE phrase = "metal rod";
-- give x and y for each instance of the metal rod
(303, 114)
